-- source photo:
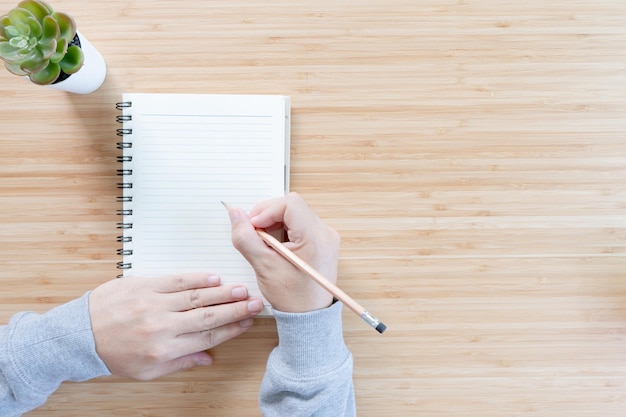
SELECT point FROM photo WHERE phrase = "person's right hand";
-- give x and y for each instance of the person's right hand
(286, 287)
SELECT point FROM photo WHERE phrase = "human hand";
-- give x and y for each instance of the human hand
(145, 328)
(286, 287)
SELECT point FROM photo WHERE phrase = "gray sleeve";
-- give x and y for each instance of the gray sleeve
(40, 351)
(309, 373)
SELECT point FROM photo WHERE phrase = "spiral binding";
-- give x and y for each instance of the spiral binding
(125, 173)
(124, 132)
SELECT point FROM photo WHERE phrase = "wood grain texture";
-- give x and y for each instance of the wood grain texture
(472, 154)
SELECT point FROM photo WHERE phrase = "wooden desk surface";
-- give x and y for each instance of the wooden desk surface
(472, 154)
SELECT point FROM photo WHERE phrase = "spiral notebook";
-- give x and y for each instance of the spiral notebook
(181, 154)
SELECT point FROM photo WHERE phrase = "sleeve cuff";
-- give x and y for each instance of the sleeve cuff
(310, 344)
(45, 350)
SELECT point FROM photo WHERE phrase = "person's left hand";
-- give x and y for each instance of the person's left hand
(145, 328)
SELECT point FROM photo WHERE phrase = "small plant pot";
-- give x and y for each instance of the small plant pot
(89, 77)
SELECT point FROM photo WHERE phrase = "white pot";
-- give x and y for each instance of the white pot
(90, 76)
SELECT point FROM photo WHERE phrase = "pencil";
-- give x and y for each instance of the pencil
(321, 280)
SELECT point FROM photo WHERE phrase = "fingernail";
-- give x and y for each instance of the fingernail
(214, 280)
(246, 323)
(255, 306)
(240, 292)
(205, 361)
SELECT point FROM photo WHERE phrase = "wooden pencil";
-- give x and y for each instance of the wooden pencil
(322, 281)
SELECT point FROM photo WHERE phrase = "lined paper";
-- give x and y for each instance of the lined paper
(189, 152)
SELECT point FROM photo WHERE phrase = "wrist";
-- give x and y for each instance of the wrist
(306, 303)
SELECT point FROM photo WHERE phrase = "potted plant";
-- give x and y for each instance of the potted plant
(44, 46)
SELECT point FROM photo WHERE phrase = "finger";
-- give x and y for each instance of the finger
(176, 365)
(244, 236)
(287, 212)
(269, 213)
(210, 338)
(208, 318)
(183, 282)
(203, 297)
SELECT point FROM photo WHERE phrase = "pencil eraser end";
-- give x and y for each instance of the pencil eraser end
(381, 328)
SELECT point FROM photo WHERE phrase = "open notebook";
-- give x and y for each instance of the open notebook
(181, 155)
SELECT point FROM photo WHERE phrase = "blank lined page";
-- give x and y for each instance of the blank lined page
(189, 152)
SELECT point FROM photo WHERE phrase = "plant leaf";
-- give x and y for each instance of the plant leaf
(13, 55)
(47, 49)
(36, 30)
(73, 60)
(23, 29)
(15, 69)
(32, 61)
(60, 52)
(51, 29)
(4, 22)
(47, 75)
(34, 65)
(37, 8)
(66, 24)
(17, 43)
(18, 16)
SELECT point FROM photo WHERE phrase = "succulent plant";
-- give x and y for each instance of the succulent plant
(36, 41)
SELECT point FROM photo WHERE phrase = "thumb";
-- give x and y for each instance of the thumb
(244, 236)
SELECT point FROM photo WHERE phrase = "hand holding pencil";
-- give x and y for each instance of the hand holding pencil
(298, 275)
(286, 287)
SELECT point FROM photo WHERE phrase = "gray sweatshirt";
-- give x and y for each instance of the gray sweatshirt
(308, 374)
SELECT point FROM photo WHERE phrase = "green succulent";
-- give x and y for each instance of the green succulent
(35, 42)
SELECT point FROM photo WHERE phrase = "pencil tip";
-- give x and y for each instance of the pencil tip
(224, 204)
